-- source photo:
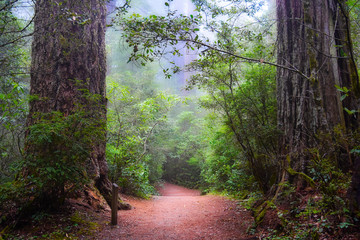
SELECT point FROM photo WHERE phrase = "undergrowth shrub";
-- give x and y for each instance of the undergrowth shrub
(184, 155)
(135, 180)
(131, 175)
(320, 211)
(13, 111)
(226, 168)
(60, 147)
(58, 150)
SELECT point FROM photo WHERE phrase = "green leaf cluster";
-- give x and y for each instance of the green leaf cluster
(59, 148)
(14, 60)
(183, 148)
(137, 112)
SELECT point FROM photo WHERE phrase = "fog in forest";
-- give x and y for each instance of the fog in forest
(119, 52)
(252, 100)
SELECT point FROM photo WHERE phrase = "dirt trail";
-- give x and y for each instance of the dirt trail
(180, 213)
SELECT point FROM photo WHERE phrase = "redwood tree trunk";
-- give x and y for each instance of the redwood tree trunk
(314, 38)
(68, 51)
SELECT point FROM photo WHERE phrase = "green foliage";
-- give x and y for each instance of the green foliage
(60, 146)
(82, 225)
(183, 150)
(13, 109)
(62, 225)
(214, 9)
(148, 36)
(136, 111)
(353, 7)
(13, 89)
(244, 96)
(323, 211)
(58, 149)
(13, 32)
(240, 147)
(332, 183)
(225, 168)
(10, 192)
(135, 180)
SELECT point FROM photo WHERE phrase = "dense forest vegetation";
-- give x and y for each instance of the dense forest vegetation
(253, 99)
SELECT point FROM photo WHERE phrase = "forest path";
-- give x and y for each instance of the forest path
(180, 213)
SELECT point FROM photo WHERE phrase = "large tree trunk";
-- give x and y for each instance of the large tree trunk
(314, 38)
(68, 53)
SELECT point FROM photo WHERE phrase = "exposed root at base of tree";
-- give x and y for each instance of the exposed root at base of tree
(104, 185)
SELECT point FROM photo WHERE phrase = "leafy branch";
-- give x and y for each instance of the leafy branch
(154, 36)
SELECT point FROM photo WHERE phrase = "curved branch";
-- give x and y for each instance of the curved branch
(145, 141)
(240, 57)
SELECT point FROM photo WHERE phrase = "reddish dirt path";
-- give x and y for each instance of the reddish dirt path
(180, 214)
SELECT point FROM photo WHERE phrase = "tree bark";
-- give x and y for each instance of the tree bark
(68, 53)
(313, 37)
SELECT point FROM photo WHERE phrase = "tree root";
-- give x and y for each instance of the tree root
(104, 185)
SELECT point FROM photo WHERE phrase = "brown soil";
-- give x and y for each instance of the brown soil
(180, 213)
